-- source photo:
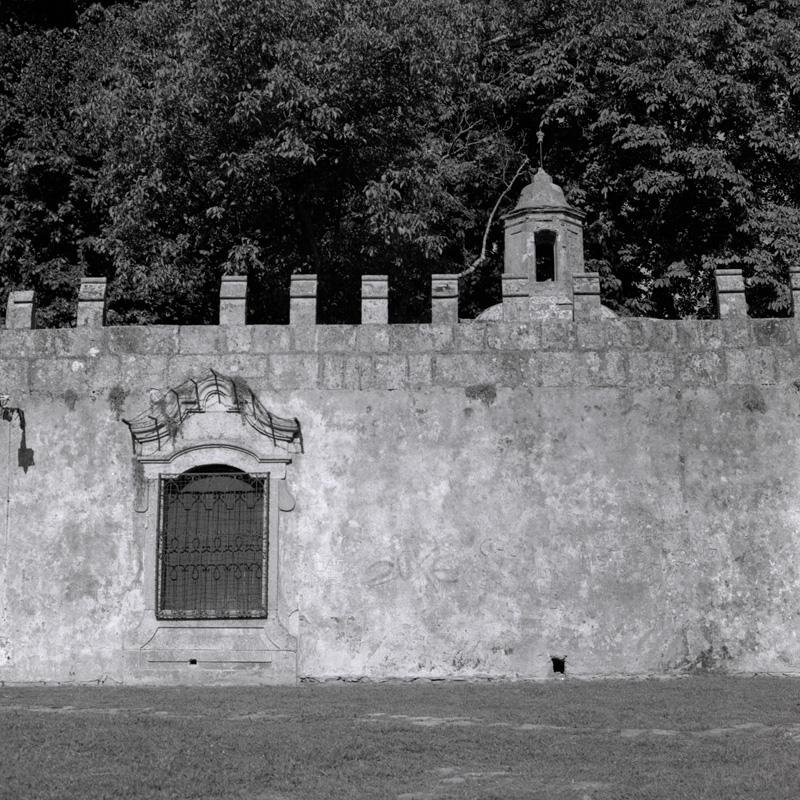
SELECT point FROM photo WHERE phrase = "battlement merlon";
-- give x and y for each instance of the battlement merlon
(92, 302)
(233, 300)
(579, 299)
(21, 309)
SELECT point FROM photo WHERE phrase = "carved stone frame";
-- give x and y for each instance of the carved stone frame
(235, 651)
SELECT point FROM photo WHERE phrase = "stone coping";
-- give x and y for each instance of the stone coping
(630, 334)
(608, 353)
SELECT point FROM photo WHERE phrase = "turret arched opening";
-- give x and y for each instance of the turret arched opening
(545, 244)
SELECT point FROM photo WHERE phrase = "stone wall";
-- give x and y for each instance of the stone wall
(471, 499)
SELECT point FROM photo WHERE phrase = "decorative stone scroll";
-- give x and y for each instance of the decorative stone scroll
(163, 420)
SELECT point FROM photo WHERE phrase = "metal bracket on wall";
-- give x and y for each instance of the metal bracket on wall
(24, 454)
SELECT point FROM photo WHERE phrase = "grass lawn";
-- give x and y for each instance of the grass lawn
(701, 737)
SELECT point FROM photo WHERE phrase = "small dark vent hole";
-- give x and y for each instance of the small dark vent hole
(558, 663)
(194, 661)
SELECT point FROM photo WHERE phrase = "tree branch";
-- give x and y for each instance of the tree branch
(482, 257)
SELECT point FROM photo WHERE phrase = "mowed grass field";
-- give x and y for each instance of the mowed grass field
(699, 737)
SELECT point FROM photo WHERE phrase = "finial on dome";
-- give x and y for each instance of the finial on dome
(540, 139)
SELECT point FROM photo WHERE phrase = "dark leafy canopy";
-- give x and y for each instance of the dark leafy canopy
(300, 135)
(166, 143)
(44, 14)
(677, 127)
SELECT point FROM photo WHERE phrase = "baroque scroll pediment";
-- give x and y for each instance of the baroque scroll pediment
(161, 423)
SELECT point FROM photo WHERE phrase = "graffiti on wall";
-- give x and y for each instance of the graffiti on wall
(412, 562)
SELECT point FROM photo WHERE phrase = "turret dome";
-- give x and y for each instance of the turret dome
(542, 193)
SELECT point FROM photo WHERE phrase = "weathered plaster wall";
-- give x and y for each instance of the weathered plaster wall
(471, 500)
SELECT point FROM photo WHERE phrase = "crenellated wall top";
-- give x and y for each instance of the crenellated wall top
(519, 304)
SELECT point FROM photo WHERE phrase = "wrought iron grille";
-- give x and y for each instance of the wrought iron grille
(213, 546)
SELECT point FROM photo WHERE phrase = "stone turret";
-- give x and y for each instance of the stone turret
(544, 246)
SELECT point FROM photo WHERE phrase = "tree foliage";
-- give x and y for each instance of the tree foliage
(675, 125)
(328, 136)
(164, 143)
